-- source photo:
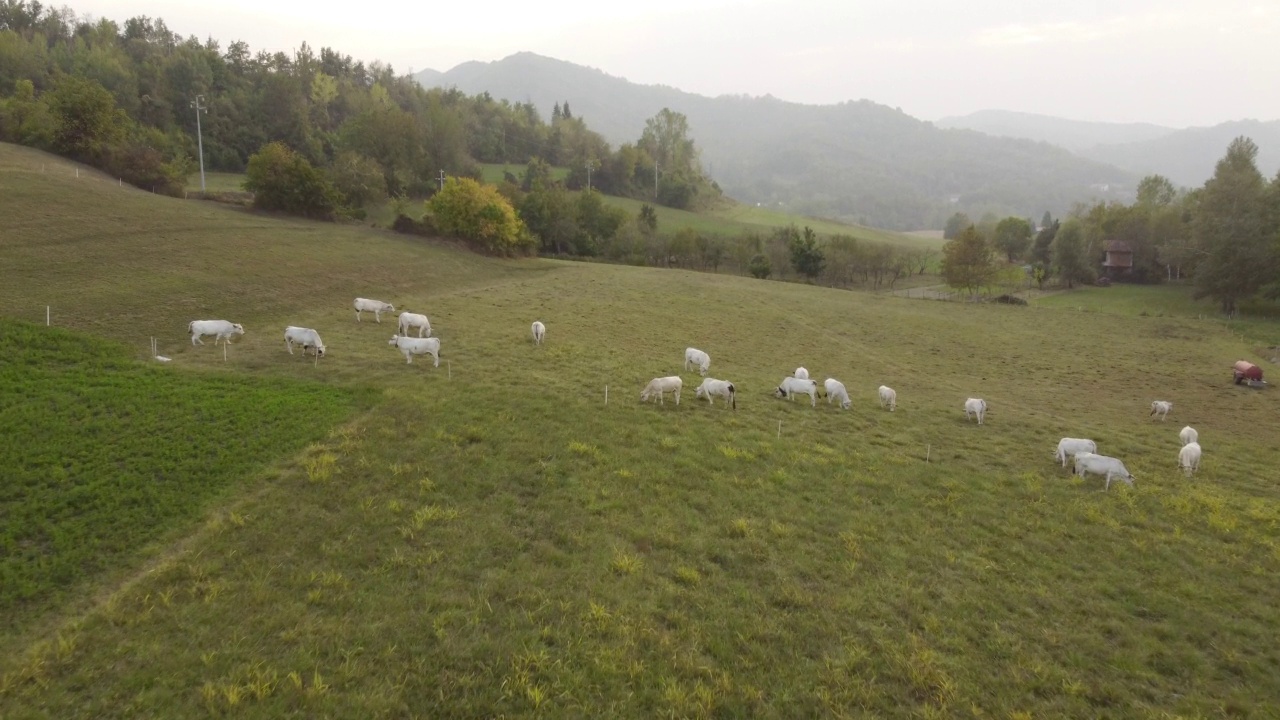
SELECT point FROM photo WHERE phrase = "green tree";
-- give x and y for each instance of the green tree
(1070, 258)
(956, 225)
(1046, 221)
(1232, 229)
(966, 261)
(760, 267)
(85, 119)
(1156, 191)
(1041, 250)
(1013, 237)
(480, 215)
(647, 219)
(282, 180)
(806, 256)
(358, 178)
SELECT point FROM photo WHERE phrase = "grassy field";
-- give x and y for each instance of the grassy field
(490, 538)
(217, 181)
(104, 454)
(1257, 321)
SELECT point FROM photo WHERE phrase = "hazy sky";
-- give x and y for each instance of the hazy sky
(1172, 62)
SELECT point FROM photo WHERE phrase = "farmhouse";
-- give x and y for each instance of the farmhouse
(1119, 262)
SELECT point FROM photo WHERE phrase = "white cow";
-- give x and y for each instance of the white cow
(539, 332)
(1068, 448)
(888, 397)
(417, 346)
(975, 406)
(377, 307)
(1189, 435)
(306, 337)
(660, 386)
(791, 386)
(723, 388)
(219, 329)
(836, 392)
(697, 358)
(1189, 458)
(409, 321)
(801, 373)
(1102, 465)
(1161, 408)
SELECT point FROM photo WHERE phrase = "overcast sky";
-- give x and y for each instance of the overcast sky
(1172, 62)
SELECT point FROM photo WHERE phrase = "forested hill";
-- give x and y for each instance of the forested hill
(1074, 135)
(1186, 156)
(858, 161)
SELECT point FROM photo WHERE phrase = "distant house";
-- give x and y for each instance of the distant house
(1119, 262)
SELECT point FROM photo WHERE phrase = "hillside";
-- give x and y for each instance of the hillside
(1186, 156)
(1074, 135)
(856, 161)
(491, 537)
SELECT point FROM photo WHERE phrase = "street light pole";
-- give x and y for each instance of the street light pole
(199, 106)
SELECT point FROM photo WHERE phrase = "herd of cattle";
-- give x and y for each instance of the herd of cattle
(1082, 452)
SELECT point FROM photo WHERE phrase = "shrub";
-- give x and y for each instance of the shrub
(760, 267)
(283, 180)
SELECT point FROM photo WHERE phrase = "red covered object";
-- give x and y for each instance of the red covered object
(1245, 370)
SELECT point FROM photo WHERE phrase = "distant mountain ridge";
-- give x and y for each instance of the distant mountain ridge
(858, 161)
(1186, 156)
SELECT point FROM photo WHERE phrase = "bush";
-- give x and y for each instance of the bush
(283, 180)
(425, 227)
(760, 267)
(477, 213)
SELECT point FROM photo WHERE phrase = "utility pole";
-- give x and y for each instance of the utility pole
(655, 179)
(198, 104)
(441, 178)
(590, 166)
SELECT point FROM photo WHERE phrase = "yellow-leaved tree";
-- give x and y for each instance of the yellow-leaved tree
(480, 215)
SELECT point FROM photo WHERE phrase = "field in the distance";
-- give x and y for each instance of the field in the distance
(489, 538)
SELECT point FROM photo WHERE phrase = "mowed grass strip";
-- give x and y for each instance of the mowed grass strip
(102, 455)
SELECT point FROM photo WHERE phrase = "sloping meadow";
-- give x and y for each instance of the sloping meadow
(490, 538)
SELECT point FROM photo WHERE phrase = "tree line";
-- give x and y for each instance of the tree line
(121, 97)
(1224, 237)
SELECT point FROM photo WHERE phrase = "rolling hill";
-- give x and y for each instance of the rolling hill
(855, 161)
(1186, 156)
(356, 536)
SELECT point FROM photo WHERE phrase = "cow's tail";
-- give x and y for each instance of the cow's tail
(733, 396)
(190, 325)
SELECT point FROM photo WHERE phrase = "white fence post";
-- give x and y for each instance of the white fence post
(606, 395)
(46, 316)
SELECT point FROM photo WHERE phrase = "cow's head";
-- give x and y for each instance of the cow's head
(780, 392)
(394, 339)
(237, 328)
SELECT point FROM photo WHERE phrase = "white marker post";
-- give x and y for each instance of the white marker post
(779, 428)
(928, 450)
(224, 352)
(46, 316)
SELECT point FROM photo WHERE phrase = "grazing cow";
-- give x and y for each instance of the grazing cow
(1189, 458)
(836, 392)
(975, 407)
(539, 332)
(888, 397)
(660, 386)
(417, 346)
(791, 386)
(219, 329)
(1102, 465)
(723, 388)
(697, 358)
(377, 307)
(1161, 408)
(306, 337)
(409, 321)
(1189, 435)
(1068, 448)
(801, 373)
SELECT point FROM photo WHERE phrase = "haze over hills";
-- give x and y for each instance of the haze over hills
(1186, 156)
(858, 161)
(1074, 135)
